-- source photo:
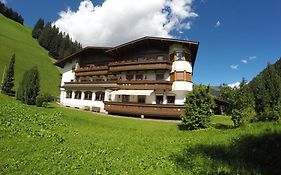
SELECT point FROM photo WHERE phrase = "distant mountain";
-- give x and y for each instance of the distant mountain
(16, 39)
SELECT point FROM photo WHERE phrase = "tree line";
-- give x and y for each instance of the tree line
(58, 44)
(10, 13)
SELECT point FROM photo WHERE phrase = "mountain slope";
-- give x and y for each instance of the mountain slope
(15, 38)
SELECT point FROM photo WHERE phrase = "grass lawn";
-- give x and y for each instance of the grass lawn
(16, 39)
(58, 140)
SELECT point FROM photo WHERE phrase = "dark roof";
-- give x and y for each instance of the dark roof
(112, 50)
(70, 57)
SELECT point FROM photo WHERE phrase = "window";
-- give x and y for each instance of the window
(171, 99)
(68, 94)
(159, 76)
(139, 76)
(77, 95)
(88, 95)
(125, 98)
(179, 55)
(141, 98)
(159, 99)
(99, 96)
(160, 57)
(129, 76)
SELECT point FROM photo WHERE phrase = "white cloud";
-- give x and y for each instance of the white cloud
(117, 21)
(3, 1)
(218, 24)
(234, 66)
(234, 85)
(252, 57)
(244, 61)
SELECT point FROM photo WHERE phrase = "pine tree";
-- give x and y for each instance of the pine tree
(37, 30)
(8, 83)
(29, 86)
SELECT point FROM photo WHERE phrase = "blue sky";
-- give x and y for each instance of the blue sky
(237, 38)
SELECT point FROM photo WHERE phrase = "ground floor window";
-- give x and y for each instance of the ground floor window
(68, 94)
(159, 99)
(125, 98)
(171, 99)
(141, 98)
(88, 95)
(99, 96)
(77, 95)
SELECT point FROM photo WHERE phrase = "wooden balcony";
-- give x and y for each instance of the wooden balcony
(144, 84)
(140, 65)
(154, 110)
(89, 85)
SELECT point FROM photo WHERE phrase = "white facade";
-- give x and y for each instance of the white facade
(176, 96)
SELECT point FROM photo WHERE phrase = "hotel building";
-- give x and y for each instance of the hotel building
(149, 76)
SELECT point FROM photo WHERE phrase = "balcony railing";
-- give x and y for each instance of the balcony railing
(144, 84)
(140, 65)
(144, 109)
(89, 85)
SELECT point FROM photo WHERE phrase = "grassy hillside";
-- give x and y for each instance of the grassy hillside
(59, 140)
(15, 38)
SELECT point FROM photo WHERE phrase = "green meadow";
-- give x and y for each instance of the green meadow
(58, 140)
(16, 39)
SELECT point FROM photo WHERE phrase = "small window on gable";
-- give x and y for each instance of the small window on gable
(160, 57)
(140, 59)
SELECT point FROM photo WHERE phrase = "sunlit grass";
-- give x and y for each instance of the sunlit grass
(58, 140)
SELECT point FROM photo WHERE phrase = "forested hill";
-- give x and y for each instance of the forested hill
(266, 87)
(16, 39)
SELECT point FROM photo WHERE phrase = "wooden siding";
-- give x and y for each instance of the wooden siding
(181, 76)
(144, 109)
(144, 84)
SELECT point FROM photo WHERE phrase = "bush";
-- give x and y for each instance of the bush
(198, 108)
(240, 117)
(29, 86)
(43, 99)
(271, 114)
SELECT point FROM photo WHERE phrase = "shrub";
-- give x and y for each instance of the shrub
(29, 86)
(199, 105)
(43, 99)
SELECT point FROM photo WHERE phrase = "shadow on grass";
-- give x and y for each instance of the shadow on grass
(183, 127)
(248, 155)
(222, 126)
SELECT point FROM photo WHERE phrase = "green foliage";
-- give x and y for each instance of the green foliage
(241, 103)
(8, 83)
(57, 43)
(10, 13)
(266, 87)
(61, 140)
(198, 108)
(17, 39)
(43, 98)
(37, 30)
(29, 86)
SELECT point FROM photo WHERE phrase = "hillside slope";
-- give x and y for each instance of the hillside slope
(15, 38)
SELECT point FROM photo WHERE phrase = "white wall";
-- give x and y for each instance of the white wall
(180, 66)
(182, 86)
